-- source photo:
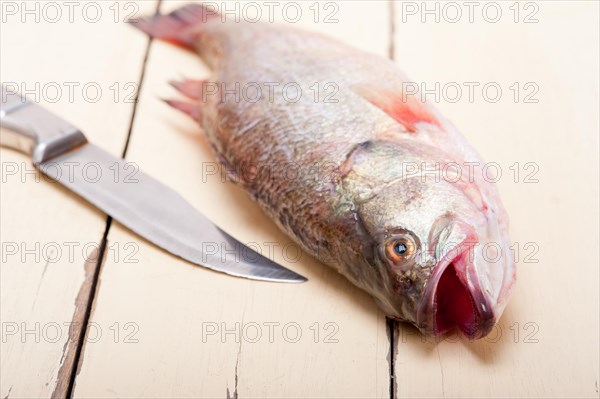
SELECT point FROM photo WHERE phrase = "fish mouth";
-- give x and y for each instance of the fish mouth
(453, 298)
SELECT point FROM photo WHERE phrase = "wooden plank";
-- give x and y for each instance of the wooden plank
(182, 317)
(547, 342)
(59, 56)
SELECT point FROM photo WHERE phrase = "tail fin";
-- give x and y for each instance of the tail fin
(180, 27)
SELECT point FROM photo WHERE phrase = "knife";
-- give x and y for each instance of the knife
(141, 203)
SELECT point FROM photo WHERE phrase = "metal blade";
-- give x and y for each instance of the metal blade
(157, 213)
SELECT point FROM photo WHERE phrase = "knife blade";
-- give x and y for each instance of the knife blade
(141, 203)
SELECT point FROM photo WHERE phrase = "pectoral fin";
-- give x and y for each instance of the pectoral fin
(406, 109)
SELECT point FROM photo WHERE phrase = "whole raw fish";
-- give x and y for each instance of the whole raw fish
(362, 174)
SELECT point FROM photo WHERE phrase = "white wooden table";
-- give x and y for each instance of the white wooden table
(142, 323)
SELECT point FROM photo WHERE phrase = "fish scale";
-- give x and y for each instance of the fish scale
(411, 240)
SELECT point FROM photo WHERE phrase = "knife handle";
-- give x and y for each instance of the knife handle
(31, 129)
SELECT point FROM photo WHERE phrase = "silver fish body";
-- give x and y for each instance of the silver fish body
(362, 175)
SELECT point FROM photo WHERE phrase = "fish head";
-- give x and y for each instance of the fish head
(444, 259)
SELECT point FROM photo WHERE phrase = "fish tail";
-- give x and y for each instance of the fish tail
(180, 27)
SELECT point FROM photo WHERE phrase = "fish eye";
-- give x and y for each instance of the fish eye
(399, 249)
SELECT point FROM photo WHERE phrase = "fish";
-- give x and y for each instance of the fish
(358, 170)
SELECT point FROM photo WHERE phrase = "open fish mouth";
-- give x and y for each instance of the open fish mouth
(453, 298)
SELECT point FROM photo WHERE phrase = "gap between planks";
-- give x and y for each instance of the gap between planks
(84, 303)
(87, 295)
(392, 325)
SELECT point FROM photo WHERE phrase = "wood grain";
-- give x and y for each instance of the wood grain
(161, 327)
(48, 234)
(546, 344)
(175, 306)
